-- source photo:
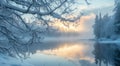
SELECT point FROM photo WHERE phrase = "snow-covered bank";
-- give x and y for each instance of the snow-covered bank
(6, 60)
(110, 41)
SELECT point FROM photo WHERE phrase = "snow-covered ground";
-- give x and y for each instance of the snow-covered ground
(6, 60)
(110, 41)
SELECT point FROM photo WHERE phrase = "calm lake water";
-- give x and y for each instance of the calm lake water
(69, 53)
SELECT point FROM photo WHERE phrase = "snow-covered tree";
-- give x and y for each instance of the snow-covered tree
(98, 26)
(117, 17)
(104, 22)
(104, 27)
(108, 26)
(14, 28)
(12, 24)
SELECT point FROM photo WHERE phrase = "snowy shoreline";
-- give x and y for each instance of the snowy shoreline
(107, 41)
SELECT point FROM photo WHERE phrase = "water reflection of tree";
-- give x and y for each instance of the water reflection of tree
(21, 51)
(117, 57)
(107, 53)
(24, 51)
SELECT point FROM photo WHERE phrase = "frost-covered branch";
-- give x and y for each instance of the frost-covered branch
(14, 26)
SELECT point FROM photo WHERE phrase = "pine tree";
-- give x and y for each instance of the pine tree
(97, 26)
(117, 17)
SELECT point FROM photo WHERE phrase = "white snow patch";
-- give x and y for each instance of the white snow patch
(10, 61)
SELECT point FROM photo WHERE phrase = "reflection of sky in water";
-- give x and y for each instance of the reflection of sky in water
(65, 54)
(72, 51)
(39, 59)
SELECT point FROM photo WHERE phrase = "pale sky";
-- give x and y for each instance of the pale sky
(86, 23)
(95, 4)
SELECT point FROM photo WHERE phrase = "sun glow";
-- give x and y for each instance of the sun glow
(78, 26)
(71, 51)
